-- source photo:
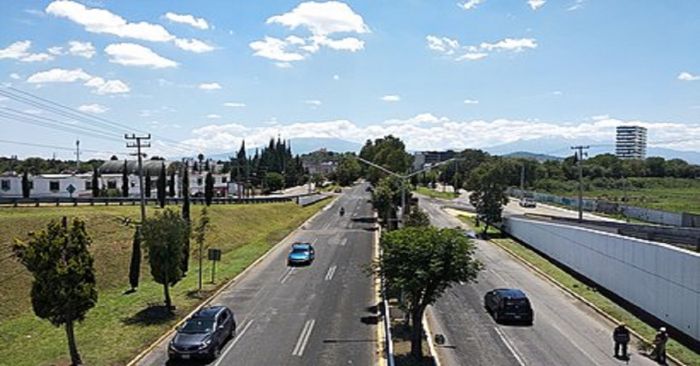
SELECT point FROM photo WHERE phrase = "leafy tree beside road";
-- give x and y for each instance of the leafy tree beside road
(64, 286)
(488, 191)
(421, 263)
(348, 170)
(164, 236)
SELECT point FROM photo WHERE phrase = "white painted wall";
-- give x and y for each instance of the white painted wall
(15, 183)
(661, 279)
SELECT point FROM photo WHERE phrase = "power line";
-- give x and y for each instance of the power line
(28, 115)
(55, 147)
(31, 121)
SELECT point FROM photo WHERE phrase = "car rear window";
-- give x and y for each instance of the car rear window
(516, 302)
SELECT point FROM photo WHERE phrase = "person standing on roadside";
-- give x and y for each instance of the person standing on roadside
(659, 352)
(621, 337)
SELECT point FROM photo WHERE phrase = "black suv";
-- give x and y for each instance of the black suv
(509, 305)
(204, 334)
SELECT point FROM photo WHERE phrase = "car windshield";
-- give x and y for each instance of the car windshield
(300, 251)
(198, 326)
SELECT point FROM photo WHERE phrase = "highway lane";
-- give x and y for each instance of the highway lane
(565, 331)
(314, 315)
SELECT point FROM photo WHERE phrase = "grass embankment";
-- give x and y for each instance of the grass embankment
(121, 325)
(435, 194)
(679, 351)
(668, 194)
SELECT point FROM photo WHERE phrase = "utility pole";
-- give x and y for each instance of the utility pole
(579, 160)
(138, 145)
(77, 154)
(522, 180)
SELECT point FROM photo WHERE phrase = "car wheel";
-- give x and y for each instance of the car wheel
(496, 317)
(215, 353)
(233, 332)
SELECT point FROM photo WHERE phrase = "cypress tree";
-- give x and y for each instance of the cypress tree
(161, 186)
(148, 185)
(184, 265)
(208, 188)
(26, 185)
(95, 182)
(135, 265)
(171, 186)
(125, 180)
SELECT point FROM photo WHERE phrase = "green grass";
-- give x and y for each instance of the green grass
(679, 351)
(435, 194)
(243, 233)
(669, 194)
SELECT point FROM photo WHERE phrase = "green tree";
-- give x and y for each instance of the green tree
(388, 152)
(421, 263)
(208, 188)
(171, 185)
(148, 185)
(164, 236)
(161, 186)
(135, 264)
(417, 218)
(200, 233)
(656, 166)
(95, 182)
(125, 180)
(348, 170)
(26, 185)
(184, 265)
(274, 181)
(64, 287)
(488, 191)
(387, 198)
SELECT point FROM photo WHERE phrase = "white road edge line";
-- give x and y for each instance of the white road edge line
(235, 340)
(286, 275)
(331, 272)
(511, 348)
(303, 338)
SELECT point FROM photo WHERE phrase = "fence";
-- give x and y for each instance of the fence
(660, 279)
(661, 217)
(133, 201)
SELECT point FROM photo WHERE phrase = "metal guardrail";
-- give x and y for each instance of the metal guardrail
(133, 201)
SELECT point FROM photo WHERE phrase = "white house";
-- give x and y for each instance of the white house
(10, 185)
(58, 185)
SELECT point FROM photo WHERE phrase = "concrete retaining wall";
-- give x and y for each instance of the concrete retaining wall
(659, 278)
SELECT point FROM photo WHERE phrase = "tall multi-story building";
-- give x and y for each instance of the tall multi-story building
(422, 159)
(631, 142)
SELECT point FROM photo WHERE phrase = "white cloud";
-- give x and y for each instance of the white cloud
(193, 45)
(131, 54)
(429, 132)
(102, 21)
(313, 102)
(510, 44)
(98, 84)
(283, 65)
(93, 108)
(20, 51)
(200, 23)
(275, 49)
(469, 4)
(209, 86)
(56, 50)
(213, 116)
(536, 4)
(471, 101)
(686, 76)
(234, 104)
(557, 92)
(82, 49)
(578, 4)
(453, 49)
(391, 98)
(322, 18)
(336, 77)
(15, 76)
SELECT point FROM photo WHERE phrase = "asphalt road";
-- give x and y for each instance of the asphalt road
(565, 331)
(316, 315)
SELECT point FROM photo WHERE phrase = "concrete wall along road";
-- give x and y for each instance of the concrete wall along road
(661, 279)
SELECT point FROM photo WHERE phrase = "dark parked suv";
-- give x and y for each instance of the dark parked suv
(509, 305)
(204, 334)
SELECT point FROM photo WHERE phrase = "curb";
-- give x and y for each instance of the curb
(578, 297)
(221, 289)
(381, 334)
(431, 345)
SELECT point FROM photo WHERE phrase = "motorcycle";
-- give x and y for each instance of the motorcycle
(342, 211)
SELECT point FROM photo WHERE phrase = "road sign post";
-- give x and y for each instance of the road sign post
(71, 190)
(214, 256)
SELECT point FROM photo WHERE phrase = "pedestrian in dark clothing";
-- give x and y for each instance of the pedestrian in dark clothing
(621, 337)
(659, 352)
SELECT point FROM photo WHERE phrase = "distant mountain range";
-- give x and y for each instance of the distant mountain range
(546, 148)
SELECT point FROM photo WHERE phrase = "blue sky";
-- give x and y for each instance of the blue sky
(437, 73)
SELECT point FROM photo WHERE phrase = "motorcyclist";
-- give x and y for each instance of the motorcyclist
(342, 211)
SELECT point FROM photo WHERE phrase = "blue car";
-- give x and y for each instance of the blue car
(302, 253)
